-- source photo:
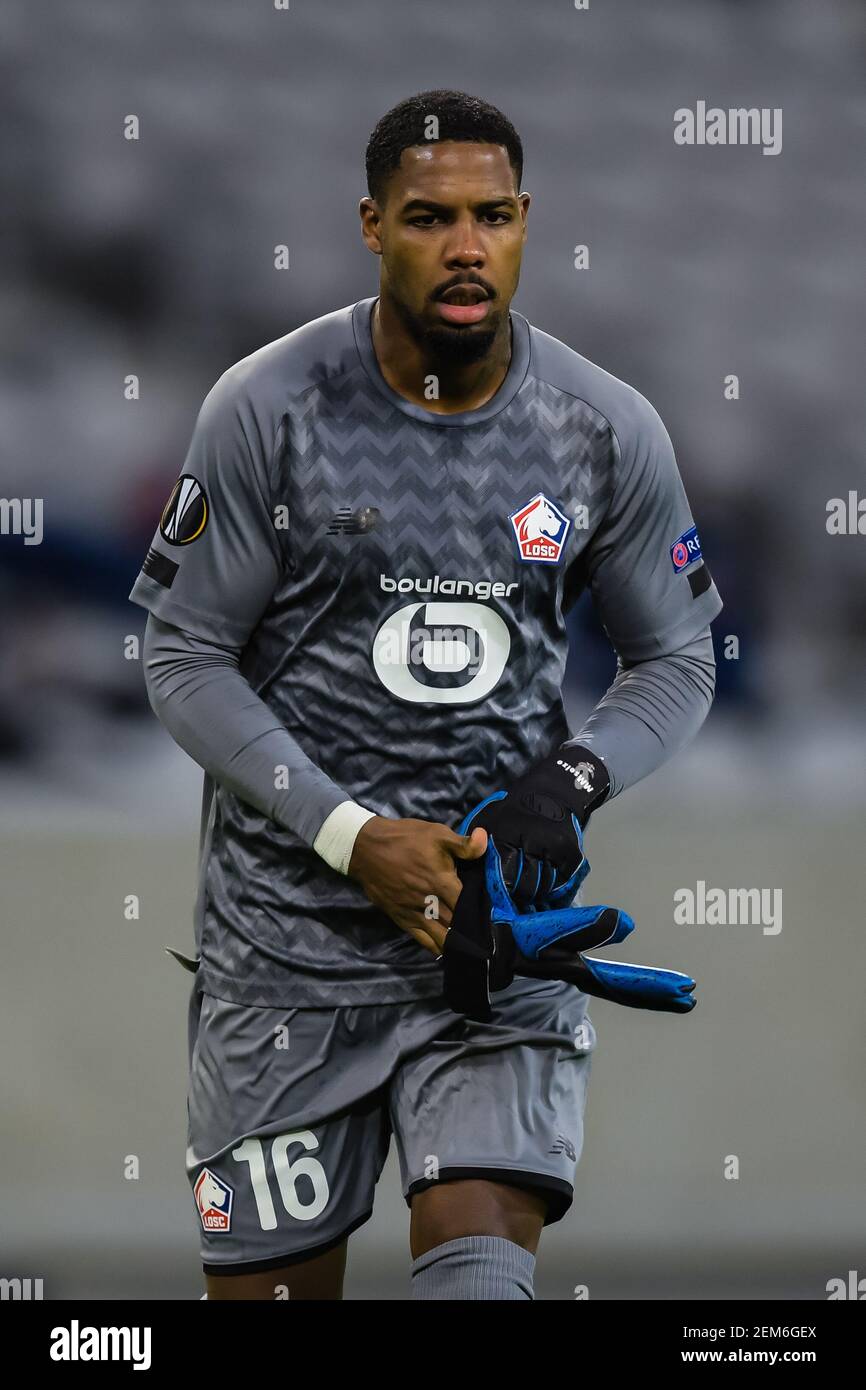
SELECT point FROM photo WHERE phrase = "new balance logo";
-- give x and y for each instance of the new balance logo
(564, 1146)
(357, 523)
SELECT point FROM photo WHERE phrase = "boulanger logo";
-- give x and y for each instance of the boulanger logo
(214, 1199)
(441, 653)
(186, 512)
(453, 588)
(541, 530)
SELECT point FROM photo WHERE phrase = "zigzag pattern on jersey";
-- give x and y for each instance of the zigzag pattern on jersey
(348, 446)
(444, 496)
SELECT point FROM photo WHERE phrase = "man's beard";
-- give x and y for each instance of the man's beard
(451, 346)
(457, 346)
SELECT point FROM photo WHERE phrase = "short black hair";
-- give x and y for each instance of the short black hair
(460, 117)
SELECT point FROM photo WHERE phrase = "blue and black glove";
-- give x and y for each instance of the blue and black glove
(489, 942)
(538, 822)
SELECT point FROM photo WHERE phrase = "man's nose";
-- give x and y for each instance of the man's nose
(465, 246)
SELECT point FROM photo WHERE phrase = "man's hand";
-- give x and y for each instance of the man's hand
(406, 868)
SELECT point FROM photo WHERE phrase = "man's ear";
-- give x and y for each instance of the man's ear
(371, 224)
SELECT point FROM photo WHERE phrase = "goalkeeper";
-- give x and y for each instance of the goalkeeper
(357, 596)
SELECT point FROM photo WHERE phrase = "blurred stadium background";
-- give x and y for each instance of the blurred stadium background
(155, 257)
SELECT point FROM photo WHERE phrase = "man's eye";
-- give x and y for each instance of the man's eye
(425, 220)
(501, 217)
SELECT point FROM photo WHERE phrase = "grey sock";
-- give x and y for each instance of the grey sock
(474, 1267)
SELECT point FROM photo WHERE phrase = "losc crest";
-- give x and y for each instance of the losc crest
(214, 1199)
(541, 529)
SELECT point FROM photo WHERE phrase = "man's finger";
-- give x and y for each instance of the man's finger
(433, 939)
(467, 846)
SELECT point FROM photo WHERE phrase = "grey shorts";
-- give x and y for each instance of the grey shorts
(291, 1112)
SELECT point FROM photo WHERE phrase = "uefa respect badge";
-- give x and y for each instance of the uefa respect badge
(686, 549)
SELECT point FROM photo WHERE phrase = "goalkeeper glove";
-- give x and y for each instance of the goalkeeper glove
(489, 943)
(538, 821)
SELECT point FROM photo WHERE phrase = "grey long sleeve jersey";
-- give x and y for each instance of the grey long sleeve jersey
(382, 591)
(198, 692)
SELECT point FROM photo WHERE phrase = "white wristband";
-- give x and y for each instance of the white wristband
(338, 833)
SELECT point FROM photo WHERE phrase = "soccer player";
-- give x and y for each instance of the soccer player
(356, 626)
